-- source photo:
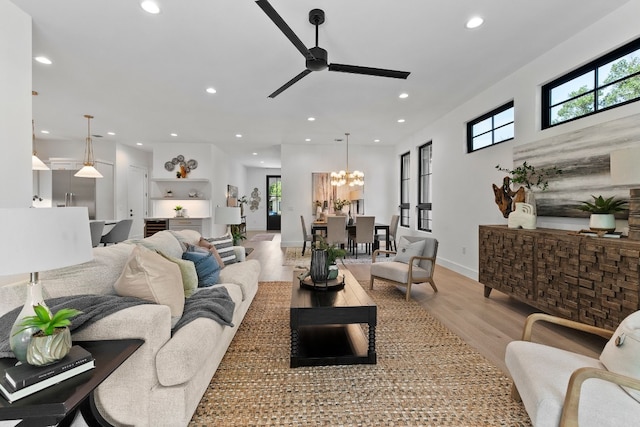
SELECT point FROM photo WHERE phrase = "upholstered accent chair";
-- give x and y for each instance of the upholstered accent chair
(365, 226)
(566, 389)
(337, 230)
(307, 237)
(393, 230)
(96, 227)
(414, 262)
(119, 232)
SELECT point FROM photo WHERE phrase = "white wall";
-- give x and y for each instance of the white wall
(462, 194)
(15, 105)
(300, 161)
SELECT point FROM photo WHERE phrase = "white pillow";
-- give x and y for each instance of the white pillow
(149, 276)
(622, 352)
(406, 250)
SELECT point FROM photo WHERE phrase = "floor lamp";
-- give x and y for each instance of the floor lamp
(45, 239)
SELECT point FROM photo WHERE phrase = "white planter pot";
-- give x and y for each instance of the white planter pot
(602, 222)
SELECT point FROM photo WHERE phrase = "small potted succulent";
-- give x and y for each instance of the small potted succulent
(52, 339)
(602, 212)
(178, 210)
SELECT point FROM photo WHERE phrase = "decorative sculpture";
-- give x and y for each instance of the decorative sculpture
(254, 202)
(522, 217)
(506, 198)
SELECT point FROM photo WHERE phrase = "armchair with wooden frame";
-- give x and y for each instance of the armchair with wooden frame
(566, 389)
(418, 269)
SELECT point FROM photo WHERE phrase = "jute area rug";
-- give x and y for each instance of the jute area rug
(425, 375)
(293, 256)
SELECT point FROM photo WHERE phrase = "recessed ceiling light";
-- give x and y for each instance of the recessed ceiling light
(311, 119)
(43, 60)
(150, 7)
(261, 162)
(474, 22)
(211, 90)
(403, 95)
(173, 134)
(255, 154)
(111, 133)
(308, 139)
(400, 120)
(138, 143)
(376, 140)
(238, 135)
(44, 131)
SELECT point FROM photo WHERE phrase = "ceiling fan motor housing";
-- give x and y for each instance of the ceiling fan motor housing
(320, 62)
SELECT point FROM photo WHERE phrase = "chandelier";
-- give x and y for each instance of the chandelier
(88, 170)
(355, 178)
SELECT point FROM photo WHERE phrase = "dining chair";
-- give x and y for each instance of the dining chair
(337, 230)
(119, 232)
(391, 245)
(96, 227)
(364, 233)
(305, 236)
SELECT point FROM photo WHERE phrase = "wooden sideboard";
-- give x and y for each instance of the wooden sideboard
(592, 280)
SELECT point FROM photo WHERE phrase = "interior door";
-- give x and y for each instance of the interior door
(137, 200)
(274, 202)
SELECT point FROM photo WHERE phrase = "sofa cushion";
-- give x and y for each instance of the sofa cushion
(179, 360)
(244, 274)
(224, 246)
(622, 352)
(163, 241)
(148, 275)
(189, 237)
(407, 249)
(206, 265)
(188, 273)
(94, 277)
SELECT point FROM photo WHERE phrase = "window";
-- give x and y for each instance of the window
(424, 187)
(492, 128)
(608, 82)
(404, 189)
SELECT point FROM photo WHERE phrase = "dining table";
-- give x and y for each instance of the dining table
(320, 227)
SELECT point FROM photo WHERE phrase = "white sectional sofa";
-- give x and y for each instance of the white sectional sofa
(162, 383)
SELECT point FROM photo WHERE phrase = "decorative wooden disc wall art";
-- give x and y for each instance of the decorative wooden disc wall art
(184, 166)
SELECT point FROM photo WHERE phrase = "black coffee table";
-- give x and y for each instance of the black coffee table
(327, 326)
(58, 403)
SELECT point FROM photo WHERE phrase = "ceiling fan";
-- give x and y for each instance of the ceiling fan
(316, 57)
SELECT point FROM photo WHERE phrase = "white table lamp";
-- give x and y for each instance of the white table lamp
(40, 239)
(228, 215)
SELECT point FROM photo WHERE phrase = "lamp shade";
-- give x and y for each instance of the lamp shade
(228, 215)
(88, 171)
(43, 239)
(37, 164)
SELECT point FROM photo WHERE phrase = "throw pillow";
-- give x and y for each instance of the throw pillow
(406, 250)
(620, 355)
(224, 246)
(207, 267)
(149, 276)
(203, 243)
(188, 272)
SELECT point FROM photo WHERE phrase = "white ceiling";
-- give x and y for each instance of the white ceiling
(144, 76)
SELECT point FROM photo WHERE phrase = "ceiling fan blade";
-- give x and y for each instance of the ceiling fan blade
(289, 83)
(277, 19)
(354, 69)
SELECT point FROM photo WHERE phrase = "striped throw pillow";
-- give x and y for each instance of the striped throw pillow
(224, 246)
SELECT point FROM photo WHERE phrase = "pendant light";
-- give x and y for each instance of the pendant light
(36, 163)
(88, 170)
(355, 178)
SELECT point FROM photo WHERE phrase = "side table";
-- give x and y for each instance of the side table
(58, 404)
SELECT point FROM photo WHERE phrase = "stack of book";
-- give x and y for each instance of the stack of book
(23, 379)
(608, 234)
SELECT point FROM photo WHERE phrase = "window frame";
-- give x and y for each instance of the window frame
(490, 115)
(425, 207)
(405, 178)
(592, 66)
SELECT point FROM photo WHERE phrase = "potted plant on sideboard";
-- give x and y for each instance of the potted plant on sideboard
(602, 212)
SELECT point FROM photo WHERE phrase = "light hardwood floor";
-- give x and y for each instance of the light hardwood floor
(487, 324)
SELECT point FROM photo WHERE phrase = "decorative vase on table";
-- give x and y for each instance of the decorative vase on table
(319, 271)
(46, 349)
(602, 222)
